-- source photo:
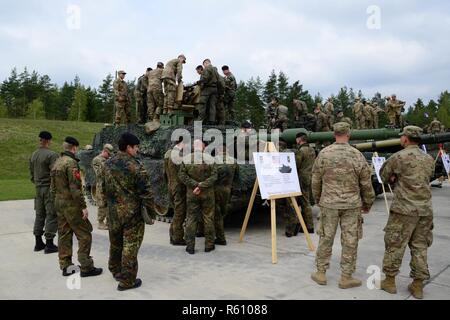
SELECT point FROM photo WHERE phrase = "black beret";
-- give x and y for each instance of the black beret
(45, 135)
(130, 139)
(72, 141)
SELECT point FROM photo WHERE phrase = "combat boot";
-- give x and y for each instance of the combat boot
(40, 245)
(178, 243)
(137, 284)
(102, 226)
(416, 289)
(388, 285)
(348, 282)
(50, 247)
(92, 273)
(220, 242)
(319, 277)
(190, 249)
(209, 249)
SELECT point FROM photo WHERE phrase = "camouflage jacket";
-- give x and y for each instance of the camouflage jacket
(305, 156)
(127, 187)
(435, 126)
(40, 165)
(281, 112)
(343, 119)
(329, 108)
(368, 112)
(300, 108)
(98, 164)
(172, 163)
(141, 87)
(227, 173)
(321, 122)
(198, 170)
(208, 77)
(65, 189)
(121, 91)
(412, 170)
(154, 80)
(358, 109)
(230, 85)
(394, 107)
(341, 178)
(173, 70)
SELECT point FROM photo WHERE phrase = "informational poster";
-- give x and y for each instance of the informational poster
(277, 173)
(377, 164)
(446, 161)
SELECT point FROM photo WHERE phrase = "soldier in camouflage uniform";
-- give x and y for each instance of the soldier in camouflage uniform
(342, 187)
(411, 214)
(127, 191)
(98, 164)
(230, 92)
(300, 109)
(271, 114)
(208, 83)
(376, 110)
(220, 107)
(68, 199)
(341, 118)
(140, 93)
(281, 116)
(227, 173)
(321, 119)
(368, 115)
(329, 111)
(177, 192)
(199, 173)
(358, 112)
(155, 95)
(394, 111)
(122, 100)
(171, 76)
(436, 126)
(41, 162)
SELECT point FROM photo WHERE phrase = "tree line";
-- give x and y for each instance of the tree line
(34, 96)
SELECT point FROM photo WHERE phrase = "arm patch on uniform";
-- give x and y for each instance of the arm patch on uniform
(76, 174)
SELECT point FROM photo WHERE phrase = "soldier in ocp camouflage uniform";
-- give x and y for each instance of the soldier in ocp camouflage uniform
(341, 118)
(368, 115)
(67, 195)
(199, 173)
(376, 110)
(140, 93)
(358, 112)
(127, 191)
(300, 109)
(321, 119)
(436, 126)
(177, 192)
(98, 164)
(41, 162)
(227, 173)
(329, 111)
(342, 187)
(171, 76)
(411, 213)
(230, 92)
(122, 99)
(155, 95)
(281, 117)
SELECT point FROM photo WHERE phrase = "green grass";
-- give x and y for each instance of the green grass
(18, 140)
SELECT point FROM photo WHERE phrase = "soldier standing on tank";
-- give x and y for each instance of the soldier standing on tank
(220, 108)
(321, 119)
(411, 214)
(300, 109)
(209, 93)
(271, 114)
(199, 173)
(329, 111)
(342, 191)
(122, 99)
(227, 173)
(98, 164)
(155, 95)
(128, 190)
(394, 111)
(376, 110)
(67, 194)
(341, 118)
(230, 92)
(172, 76)
(436, 126)
(281, 115)
(140, 93)
(358, 112)
(177, 192)
(368, 115)
(41, 163)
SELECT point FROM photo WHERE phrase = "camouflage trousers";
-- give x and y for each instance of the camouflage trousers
(71, 222)
(170, 92)
(220, 112)
(102, 206)
(291, 219)
(281, 124)
(416, 232)
(222, 196)
(360, 122)
(125, 241)
(200, 208)
(350, 221)
(155, 103)
(178, 199)
(229, 106)
(123, 113)
(208, 103)
(45, 214)
(141, 109)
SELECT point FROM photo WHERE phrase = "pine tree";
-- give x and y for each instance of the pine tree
(270, 88)
(283, 88)
(106, 96)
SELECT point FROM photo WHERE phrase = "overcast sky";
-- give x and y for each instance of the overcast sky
(324, 44)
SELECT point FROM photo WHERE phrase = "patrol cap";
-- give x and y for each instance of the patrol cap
(108, 148)
(411, 131)
(45, 135)
(341, 128)
(121, 72)
(72, 141)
